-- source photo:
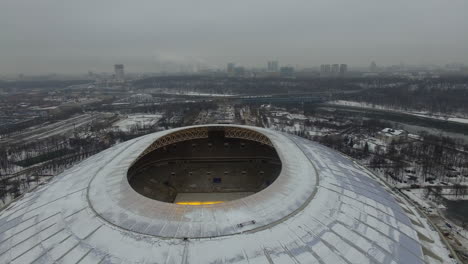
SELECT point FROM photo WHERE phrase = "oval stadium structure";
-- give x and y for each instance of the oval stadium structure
(215, 194)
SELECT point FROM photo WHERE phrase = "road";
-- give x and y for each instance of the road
(32, 169)
(64, 127)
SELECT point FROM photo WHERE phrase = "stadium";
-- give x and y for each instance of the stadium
(216, 194)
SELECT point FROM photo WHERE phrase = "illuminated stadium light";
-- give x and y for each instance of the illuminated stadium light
(199, 203)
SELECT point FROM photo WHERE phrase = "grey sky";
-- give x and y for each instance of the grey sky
(64, 36)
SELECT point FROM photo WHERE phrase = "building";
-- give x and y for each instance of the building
(325, 69)
(287, 71)
(272, 66)
(373, 67)
(230, 68)
(335, 69)
(141, 98)
(343, 69)
(239, 71)
(389, 134)
(216, 194)
(119, 72)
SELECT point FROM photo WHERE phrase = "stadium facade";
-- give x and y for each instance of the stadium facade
(215, 194)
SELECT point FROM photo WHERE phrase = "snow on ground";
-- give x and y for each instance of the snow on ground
(415, 113)
(417, 195)
(13, 168)
(438, 218)
(23, 189)
(459, 120)
(191, 93)
(452, 119)
(136, 121)
(376, 145)
(297, 116)
(317, 133)
(296, 127)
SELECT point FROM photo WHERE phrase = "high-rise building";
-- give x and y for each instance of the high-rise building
(272, 66)
(335, 68)
(119, 72)
(230, 67)
(239, 71)
(325, 69)
(343, 69)
(373, 67)
(287, 71)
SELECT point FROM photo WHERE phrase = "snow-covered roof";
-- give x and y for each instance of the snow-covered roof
(37, 108)
(323, 208)
(393, 132)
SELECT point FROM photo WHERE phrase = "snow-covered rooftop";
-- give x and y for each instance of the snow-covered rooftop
(323, 208)
(393, 132)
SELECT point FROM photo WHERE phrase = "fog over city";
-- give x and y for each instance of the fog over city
(76, 36)
(249, 131)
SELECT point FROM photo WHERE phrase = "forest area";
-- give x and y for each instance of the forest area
(438, 96)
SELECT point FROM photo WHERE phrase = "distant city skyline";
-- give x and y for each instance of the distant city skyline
(168, 66)
(150, 36)
(117, 72)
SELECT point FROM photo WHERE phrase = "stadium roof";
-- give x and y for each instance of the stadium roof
(323, 208)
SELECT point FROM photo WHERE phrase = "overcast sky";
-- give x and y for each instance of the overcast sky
(65, 36)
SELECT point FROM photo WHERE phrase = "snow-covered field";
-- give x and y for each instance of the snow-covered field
(415, 113)
(137, 121)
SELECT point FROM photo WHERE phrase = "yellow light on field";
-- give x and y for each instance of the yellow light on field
(199, 203)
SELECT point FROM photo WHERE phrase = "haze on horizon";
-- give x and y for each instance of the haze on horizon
(76, 36)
